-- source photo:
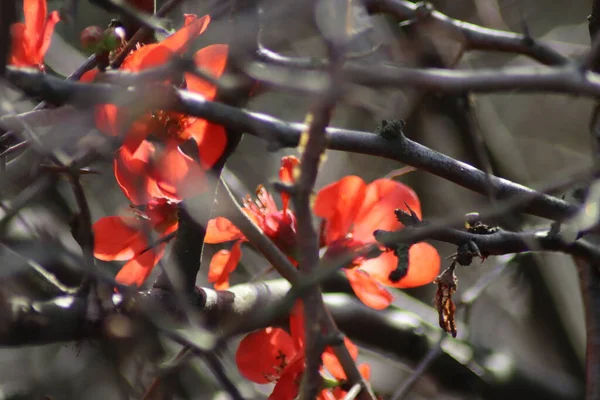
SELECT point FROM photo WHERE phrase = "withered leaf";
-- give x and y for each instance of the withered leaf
(447, 284)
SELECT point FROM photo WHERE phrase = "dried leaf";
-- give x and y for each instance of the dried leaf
(447, 284)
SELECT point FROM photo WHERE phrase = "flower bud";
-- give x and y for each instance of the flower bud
(114, 37)
(91, 37)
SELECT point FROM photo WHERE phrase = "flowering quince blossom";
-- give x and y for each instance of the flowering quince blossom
(170, 128)
(120, 238)
(271, 355)
(31, 40)
(279, 226)
(156, 181)
(125, 238)
(352, 210)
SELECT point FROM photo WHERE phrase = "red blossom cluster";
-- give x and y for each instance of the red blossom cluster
(351, 210)
(155, 175)
(272, 355)
(155, 178)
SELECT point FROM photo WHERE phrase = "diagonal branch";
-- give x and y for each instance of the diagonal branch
(397, 147)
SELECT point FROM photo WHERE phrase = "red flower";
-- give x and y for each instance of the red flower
(30, 40)
(119, 238)
(272, 355)
(145, 174)
(352, 211)
(171, 128)
(279, 226)
(126, 238)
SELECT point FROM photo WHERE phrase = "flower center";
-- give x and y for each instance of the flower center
(161, 213)
(172, 125)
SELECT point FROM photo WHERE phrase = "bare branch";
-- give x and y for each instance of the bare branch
(498, 243)
(288, 135)
(473, 36)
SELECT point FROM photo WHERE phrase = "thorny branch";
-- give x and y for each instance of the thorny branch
(396, 147)
(498, 243)
(313, 149)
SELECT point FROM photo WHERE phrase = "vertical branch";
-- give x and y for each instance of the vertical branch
(315, 142)
(308, 245)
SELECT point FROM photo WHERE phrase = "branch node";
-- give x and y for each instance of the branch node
(407, 218)
(391, 129)
(474, 225)
(424, 10)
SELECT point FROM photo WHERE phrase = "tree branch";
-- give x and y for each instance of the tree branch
(567, 79)
(285, 134)
(406, 334)
(472, 36)
(498, 243)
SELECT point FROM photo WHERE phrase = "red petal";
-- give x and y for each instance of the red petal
(382, 197)
(368, 290)
(179, 41)
(331, 362)
(211, 140)
(288, 385)
(18, 56)
(339, 203)
(133, 170)
(154, 56)
(223, 263)
(167, 229)
(221, 230)
(163, 215)
(116, 239)
(297, 328)
(262, 355)
(35, 17)
(189, 19)
(211, 59)
(286, 171)
(106, 119)
(328, 395)
(423, 266)
(286, 175)
(178, 175)
(46, 35)
(135, 271)
(365, 371)
(134, 59)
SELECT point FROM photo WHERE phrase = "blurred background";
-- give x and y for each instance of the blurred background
(526, 327)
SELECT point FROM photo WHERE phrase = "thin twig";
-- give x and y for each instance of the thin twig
(433, 354)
